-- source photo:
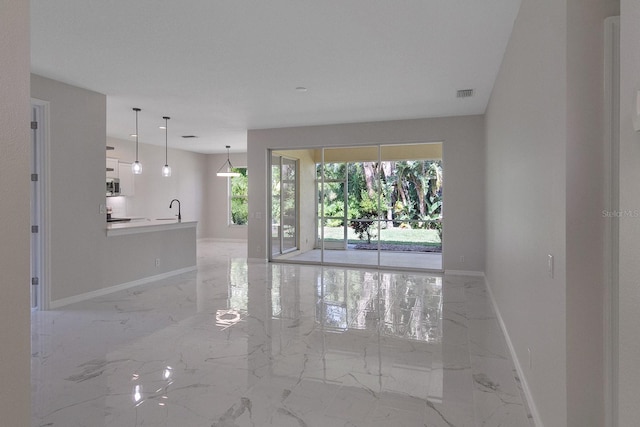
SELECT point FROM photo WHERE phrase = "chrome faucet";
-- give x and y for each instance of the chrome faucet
(171, 205)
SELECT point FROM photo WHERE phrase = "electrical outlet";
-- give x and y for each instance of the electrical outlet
(103, 209)
(157, 262)
(462, 258)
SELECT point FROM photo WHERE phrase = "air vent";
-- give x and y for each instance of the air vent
(189, 136)
(465, 93)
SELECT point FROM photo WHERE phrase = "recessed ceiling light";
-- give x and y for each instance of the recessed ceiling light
(189, 136)
(301, 89)
(133, 135)
(162, 127)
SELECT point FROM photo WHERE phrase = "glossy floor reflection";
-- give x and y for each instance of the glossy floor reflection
(239, 344)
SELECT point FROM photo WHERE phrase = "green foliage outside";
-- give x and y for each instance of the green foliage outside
(367, 213)
(410, 195)
(239, 191)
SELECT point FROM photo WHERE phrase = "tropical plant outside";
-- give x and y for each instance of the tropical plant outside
(401, 195)
(239, 190)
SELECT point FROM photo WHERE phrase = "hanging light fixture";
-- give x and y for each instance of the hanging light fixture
(166, 169)
(136, 167)
(228, 166)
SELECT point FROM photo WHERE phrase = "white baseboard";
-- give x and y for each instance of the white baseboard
(523, 380)
(465, 273)
(105, 291)
(213, 239)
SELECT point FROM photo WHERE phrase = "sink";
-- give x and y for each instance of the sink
(118, 219)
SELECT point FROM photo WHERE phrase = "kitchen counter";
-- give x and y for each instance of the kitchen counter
(136, 226)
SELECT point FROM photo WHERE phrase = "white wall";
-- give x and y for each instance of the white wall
(14, 227)
(218, 199)
(544, 163)
(629, 321)
(153, 192)
(463, 154)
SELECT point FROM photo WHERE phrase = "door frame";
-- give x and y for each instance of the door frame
(612, 204)
(41, 164)
(272, 256)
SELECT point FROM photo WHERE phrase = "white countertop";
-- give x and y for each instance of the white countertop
(146, 226)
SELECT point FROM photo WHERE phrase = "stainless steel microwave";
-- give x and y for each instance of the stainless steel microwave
(113, 187)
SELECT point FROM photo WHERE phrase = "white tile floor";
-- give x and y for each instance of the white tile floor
(238, 344)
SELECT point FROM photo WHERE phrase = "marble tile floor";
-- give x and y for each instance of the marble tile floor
(238, 344)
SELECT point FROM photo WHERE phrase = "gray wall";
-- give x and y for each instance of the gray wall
(584, 220)
(14, 227)
(76, 185)
(629, 348)
(463, 158)
(79, 247)
(544, 196)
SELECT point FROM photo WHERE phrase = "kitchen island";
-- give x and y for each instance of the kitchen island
(141, 251)
(146, 225)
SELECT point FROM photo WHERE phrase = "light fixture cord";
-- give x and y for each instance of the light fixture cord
(136, 136)
(166, 131)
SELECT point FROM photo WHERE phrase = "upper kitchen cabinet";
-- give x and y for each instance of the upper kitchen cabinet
(121, 171)
(112, 168)
(126, 179)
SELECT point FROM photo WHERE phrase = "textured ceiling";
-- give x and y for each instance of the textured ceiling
(218, 68)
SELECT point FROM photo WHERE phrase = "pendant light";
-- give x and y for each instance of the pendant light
(136, 167)
(229, 167)
(166, 169)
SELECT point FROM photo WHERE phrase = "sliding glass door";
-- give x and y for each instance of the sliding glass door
(376, 205)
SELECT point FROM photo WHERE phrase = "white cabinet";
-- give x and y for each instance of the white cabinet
(122, 171)
(112, 168)
(126, 179)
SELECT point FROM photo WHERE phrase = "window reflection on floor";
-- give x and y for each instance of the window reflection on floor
(401, 305)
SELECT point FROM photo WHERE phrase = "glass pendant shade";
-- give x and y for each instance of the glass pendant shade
(136, 167)
(227, 168)
(166, 171)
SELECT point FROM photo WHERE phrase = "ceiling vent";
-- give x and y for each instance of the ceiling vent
(189, 136)
(464, 93)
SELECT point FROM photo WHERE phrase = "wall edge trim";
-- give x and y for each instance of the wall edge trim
(464, 273)
(111, 289)
(523, 379)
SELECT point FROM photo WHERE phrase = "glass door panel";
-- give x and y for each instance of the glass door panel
(275, 206)
(411, 183)
(332, 206)
(348, 208)
(288, 204)
(284, 205)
